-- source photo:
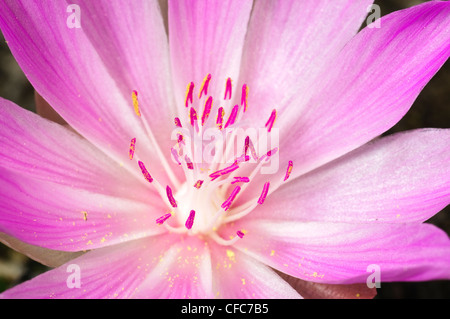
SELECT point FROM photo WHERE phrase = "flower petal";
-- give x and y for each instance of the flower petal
(87, 74)
(236, 276)
(111, 272)
(206, 38)
(348, 253)
(289, 43)
(183, 271)
(43, 150)
(369, 87)
(401, 178)
(63, 218)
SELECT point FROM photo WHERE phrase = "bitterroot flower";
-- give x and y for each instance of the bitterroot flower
(221, 147)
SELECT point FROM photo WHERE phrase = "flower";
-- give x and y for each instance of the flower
(145, 219)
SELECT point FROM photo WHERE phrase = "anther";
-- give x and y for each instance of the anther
(163, 218)
(132, 147)
(134, 96)
(289, 170)
(224, 171)
(204, 87)
(193, 116)
(207, 109)
(264, 192)
(271, 120)
(220, 116)
(190, 220)
(177, 122)
(240, 180)
(170, 197)
(240, 234)
(228, 89)
(175, 155)
(189, 92)
(189, 163)
(232, 117)
(226, 204)
(198, 184)
(244, 97)
(146, 174)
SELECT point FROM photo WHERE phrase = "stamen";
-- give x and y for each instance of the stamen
(134, 96)
(228, 89)
(224, 242)
(268, 154)
(132, 147)
(244, 97)
(170, 197)
(193, 116)
(220, 116)
(163, 218)
(189, 163)
(240, 180)
(198, 184)
(289, 170)
(249, 145)
(226, 204)
(240, 234)
(190, 220)
(177, 122)
(224, 171)
(207, 109)
(189, 92)
(204, 86)
(146, 174)
(232, 117)
(265, 190)
(271, 120)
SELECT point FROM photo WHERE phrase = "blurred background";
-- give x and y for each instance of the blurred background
(431, 109)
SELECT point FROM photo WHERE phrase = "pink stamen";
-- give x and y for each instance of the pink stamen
(132, 148)
(240, 234)
(240, 180)
(269, 154)
(232, 117)
(207, 109)
(146, 174)
(271, 120)
(224, 171)
(289, 170)
(193, 116)
(189, 92)
(198, 184)
(226, 204)
(265, 190)
(172, 200)
(163, 218)
(204, 87)
(177, 122)
(190, 220)
(249, 145)
(242, 158)
(189, 163)
(244, 97)
(228, 89)
(220, 116)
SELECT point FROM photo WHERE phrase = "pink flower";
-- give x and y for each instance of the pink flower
(156, 222)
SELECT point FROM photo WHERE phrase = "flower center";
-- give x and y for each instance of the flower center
(219, 159)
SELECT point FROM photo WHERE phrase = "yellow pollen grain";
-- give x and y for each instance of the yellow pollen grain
(231, 255)
(84, 215)
(243, 281)
(272, 252)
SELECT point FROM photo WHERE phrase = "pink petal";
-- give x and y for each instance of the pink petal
(289, 43)
(182, 271)
(368, 88)
(43, 150)
(112, 272)
(344, 253)
(401, 178)
(236, 276)
(206, 38)
(88, 74)
(63, 218)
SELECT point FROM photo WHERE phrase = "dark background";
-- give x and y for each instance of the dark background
(431, 109)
